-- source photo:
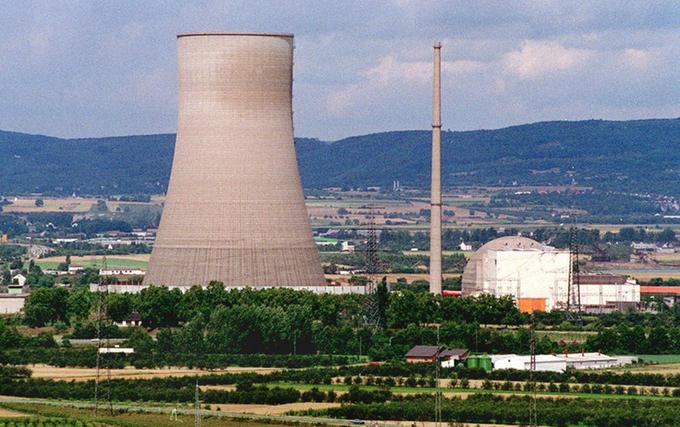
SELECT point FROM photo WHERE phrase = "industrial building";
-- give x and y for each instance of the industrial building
(537, 278)
(544, 362)
(535, 275)
(560, 362)
(604, 293)
(235, 210)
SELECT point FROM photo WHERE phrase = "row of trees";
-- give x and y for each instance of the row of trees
(485, 408)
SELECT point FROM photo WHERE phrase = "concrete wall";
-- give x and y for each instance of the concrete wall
(12, 304)
(527, 274)
(605, 294)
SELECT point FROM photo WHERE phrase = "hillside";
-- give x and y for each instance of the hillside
(632, 156)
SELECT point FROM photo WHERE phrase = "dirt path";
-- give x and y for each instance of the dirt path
(6, 413)
(273, 409)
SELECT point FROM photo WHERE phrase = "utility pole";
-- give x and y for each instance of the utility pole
(438, 392)
(197, 407)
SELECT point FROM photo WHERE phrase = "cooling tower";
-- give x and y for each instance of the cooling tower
(235, 210)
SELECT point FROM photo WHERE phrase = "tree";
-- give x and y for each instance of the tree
(382, 302)
(39, 203)
(119, 306)
(45, 306)
(667, 236)
(158, 306)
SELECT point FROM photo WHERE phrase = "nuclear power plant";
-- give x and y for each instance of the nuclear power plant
(235, 209)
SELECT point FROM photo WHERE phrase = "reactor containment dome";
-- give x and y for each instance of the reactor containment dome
(235, 209)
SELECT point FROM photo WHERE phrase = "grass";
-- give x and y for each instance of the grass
(111, 262)
(659, 358)
(67, 416)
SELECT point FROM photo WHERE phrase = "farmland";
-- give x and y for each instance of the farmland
(97, 261)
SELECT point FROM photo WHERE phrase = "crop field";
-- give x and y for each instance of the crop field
(96, 261)
(85, 374)
(65, 204)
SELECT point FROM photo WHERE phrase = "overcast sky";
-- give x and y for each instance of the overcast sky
(99, 68)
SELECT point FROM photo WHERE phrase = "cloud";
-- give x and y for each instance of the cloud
(536, 58)
(95, 68)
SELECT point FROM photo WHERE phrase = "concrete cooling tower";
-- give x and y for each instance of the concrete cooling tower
(235, 210)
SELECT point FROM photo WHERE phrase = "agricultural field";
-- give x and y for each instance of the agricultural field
(65, 204)
(86, 374)
(69, 415)
(97, 261)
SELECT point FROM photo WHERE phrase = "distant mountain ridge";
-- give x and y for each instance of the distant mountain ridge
(630, 156)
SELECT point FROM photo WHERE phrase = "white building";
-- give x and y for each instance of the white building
(560, 362)
(12, 303)
(602, 293)
(593, 360)
(347, 247)
(121, 272)
(535, 275)
(19, 279)
(544, 362)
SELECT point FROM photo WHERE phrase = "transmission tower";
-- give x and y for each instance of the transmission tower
(574, 285)
(197, 406)
(103, 327)
(371, 309)
(438, 391)
(533, 413)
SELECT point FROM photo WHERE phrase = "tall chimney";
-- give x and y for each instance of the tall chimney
(436, 186)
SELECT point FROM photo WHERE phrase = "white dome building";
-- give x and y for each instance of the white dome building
(535, 275)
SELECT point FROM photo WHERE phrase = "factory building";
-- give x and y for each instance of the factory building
(604, 293)
(536, 276)
(235, 209)
(560, 362)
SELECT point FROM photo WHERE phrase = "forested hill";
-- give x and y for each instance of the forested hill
(633, 156)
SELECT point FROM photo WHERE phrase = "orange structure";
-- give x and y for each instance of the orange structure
(529, 305)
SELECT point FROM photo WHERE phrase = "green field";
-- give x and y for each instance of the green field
(96, 263)
(659, 358)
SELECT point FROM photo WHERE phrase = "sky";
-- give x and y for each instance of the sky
(103, 68)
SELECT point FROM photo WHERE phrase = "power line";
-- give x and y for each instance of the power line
(103, 326)
(197, 406)
(533, 411)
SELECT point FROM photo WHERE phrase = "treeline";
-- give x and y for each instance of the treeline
(392, 262)
(594, 202)
(490, 409)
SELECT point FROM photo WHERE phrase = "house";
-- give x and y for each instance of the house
(19, 279)
(347, 247)
(423, 353)
(430, 353)
(450, 357)
(464, 246)
(133, 320)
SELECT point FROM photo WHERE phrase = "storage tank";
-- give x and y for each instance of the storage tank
(235, 209)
